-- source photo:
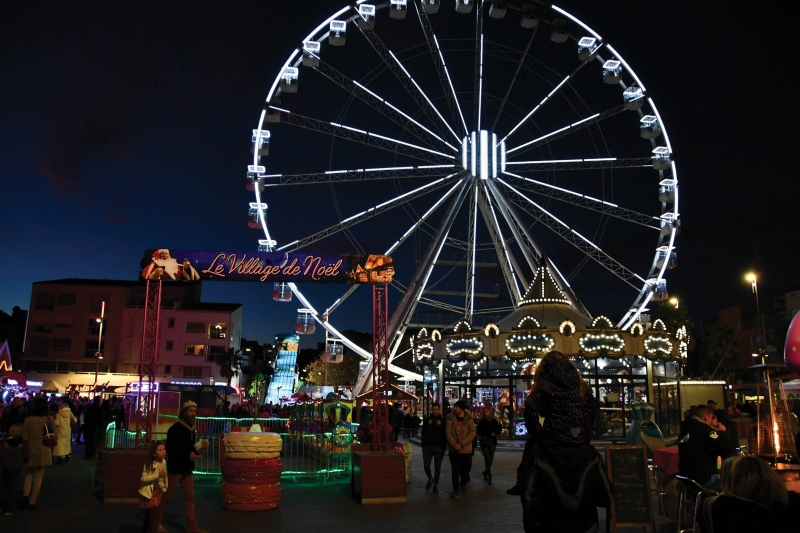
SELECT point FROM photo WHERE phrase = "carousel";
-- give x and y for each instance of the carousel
(495, 365)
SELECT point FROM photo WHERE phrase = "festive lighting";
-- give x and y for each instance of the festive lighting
(593, 342)
(523, 324)
(602, 322)
(436, 336)
(567, 328)
(531, 342)
(637, 329)
(659, 325)
(491, 331)
(423, 333)
(462, 326)
(458, 347)
(658, 344)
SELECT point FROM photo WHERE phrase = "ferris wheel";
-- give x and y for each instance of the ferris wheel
(474, 141)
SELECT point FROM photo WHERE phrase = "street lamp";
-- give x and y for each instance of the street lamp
(99, 353)
(674, 301)
(762, 351)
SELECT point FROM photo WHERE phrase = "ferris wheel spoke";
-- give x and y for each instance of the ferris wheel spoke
(581, 200)
(361, 174)
(528, 242)
(341, 131)
(515, 78)
(549, 165)
(369, 213)
(545, 100)
(422, 220)
(344, 297)
(441, 68)
(382, 106)
(408, 82)
(507, 261)
(469, 302)
(577, 240)
(407, 304)
(478, 90)
(566, 130)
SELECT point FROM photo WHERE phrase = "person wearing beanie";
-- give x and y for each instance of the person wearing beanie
(182, 451)
(460, 433)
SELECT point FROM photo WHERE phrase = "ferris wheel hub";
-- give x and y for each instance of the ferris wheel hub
(482, 155)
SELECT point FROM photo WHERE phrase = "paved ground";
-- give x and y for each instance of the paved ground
(67, 503)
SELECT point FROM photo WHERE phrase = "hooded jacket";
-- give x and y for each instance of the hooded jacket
(568, 418)
(464, 435)
(63, 428)
(699, 448)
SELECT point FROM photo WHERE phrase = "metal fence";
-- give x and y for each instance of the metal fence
(322, 455)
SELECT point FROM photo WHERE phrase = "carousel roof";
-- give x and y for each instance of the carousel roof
(545, 302)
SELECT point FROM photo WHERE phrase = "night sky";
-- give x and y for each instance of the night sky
(125, 127)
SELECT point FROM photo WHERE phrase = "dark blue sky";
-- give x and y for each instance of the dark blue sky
(126, 127)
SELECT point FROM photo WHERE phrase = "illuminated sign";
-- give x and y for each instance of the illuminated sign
(12, 382)
(185, 382)
(31, 383)
(299, 267)
(134, 386)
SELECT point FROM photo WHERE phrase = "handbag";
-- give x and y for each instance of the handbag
(49, 437)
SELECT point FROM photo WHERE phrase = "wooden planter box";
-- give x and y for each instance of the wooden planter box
(379, 477)
(123, 476)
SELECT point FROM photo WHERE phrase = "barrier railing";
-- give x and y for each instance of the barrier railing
(322, 455)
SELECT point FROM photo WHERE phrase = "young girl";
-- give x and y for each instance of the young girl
(154, 484)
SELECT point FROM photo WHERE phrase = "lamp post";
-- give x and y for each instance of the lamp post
(674, 301)
(762, 351)
(99, 353)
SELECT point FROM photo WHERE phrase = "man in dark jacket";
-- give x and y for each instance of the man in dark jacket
(698, 448)
(93, 430)
(182, 451)
(12, 414)
(434, 441)
(397, 417)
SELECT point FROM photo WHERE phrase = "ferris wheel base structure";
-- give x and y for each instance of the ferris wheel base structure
(487, 147)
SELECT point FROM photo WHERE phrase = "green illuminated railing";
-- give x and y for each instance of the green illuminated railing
(321, 455)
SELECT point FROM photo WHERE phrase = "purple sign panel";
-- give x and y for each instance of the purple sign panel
(298, 267)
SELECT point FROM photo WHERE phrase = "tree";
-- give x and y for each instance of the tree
(230, 363)
(722, 344)
(674, 317)
(344, 373)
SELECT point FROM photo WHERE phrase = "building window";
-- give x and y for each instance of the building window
(39, 328)
(195, 327)
(169, 346)
(64, 322)
(96, 302)
(193, 371)
(66, 298)
(40, 346)
(213, 352)
(170, 322)
(90, 350)
(45, 301)
(61, 345)
(217, 331)
(168, 369)
(193, 349)
(93, 327)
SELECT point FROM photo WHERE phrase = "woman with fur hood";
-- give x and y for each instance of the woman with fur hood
(63, 421)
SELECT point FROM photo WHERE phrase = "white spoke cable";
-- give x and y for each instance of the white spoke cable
(397, 141)
(565, 128)
(495, 225)
(422, 219)
(450, 81)
(407, 117)
(529, 115)
(412, 80)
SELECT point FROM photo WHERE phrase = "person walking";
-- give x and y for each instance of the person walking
(64, 422)
(40, 456)
(12, 462)
(396, 418)
(460, 431)
(182, 451)
(488, 429)
(154, 483)
(434, 441)
(93, 428)
(564, 477)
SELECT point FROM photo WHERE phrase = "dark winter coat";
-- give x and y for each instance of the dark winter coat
(433, 432)
(487, 427)
(568, 418)
(699, 448)
(180, 445)
(562, 487)
(12, 458)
